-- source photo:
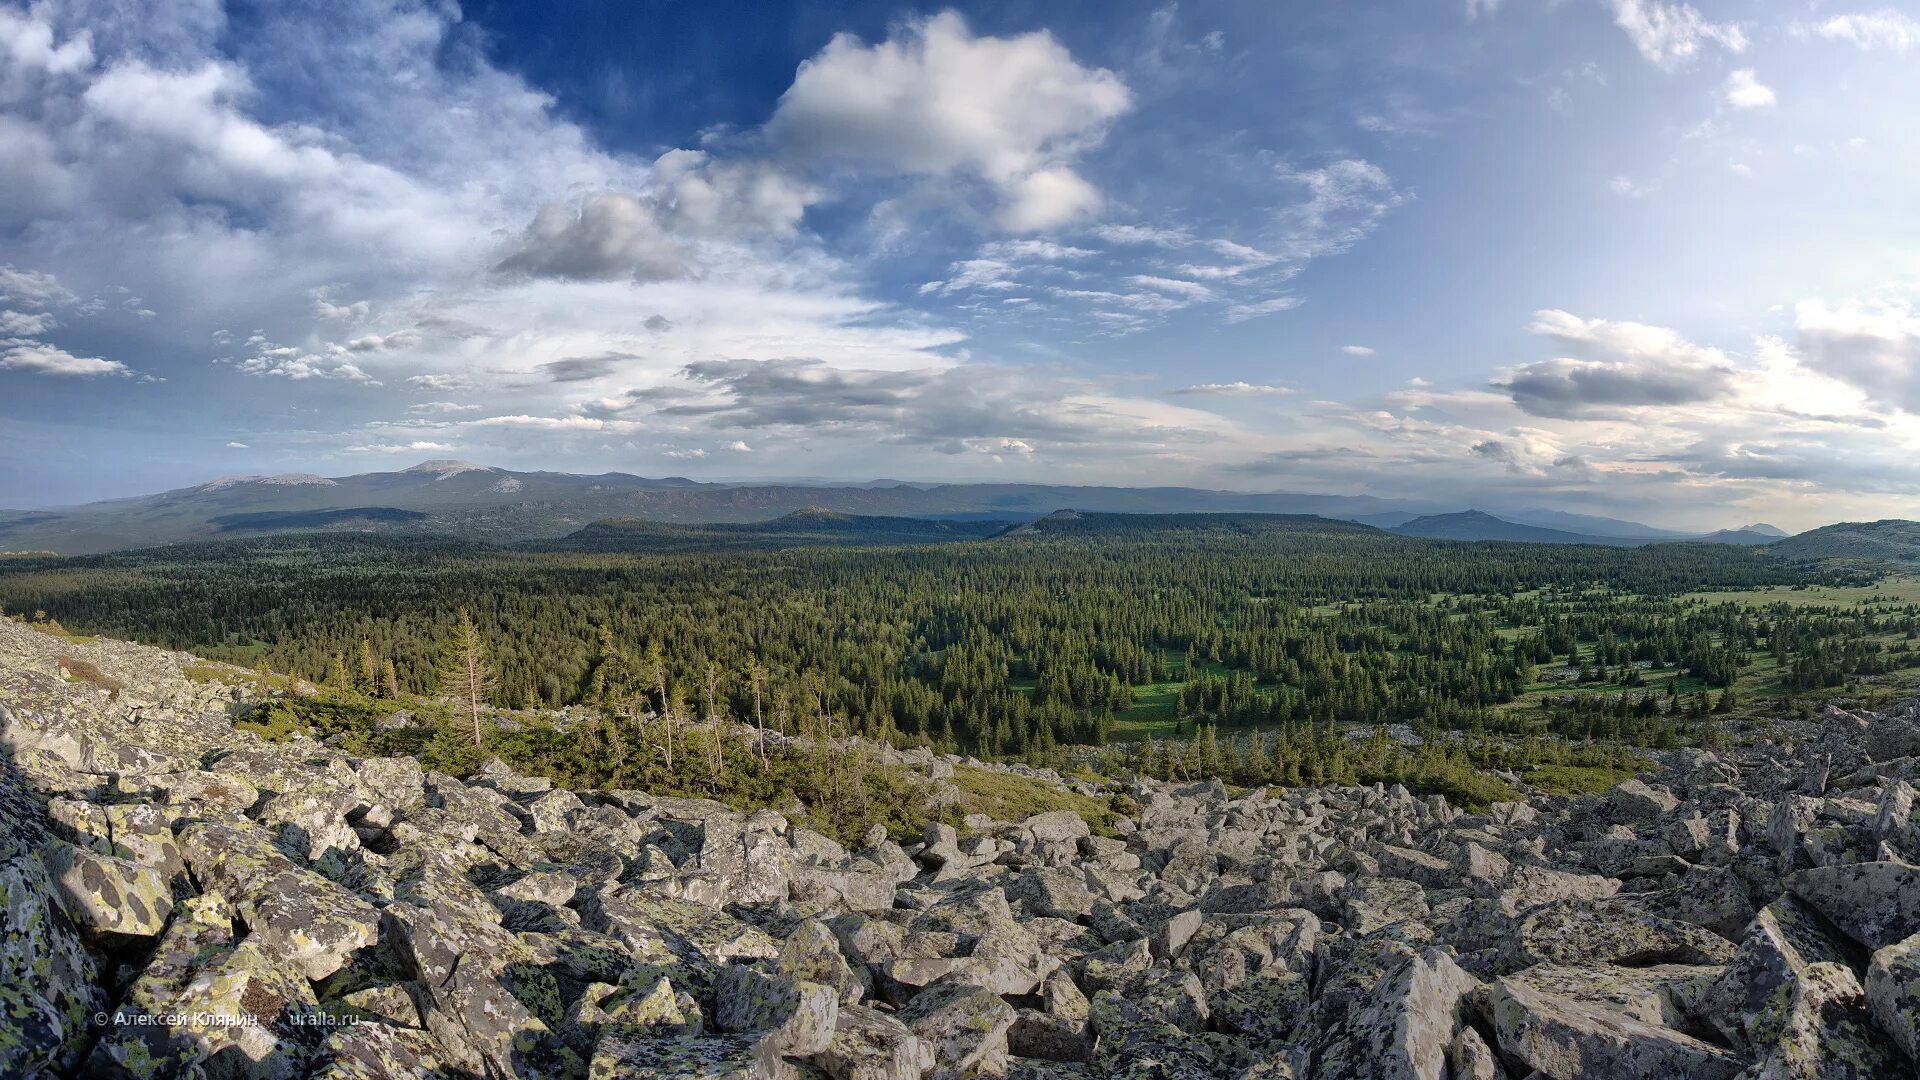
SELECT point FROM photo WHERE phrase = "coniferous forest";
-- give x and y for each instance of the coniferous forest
(1083, 630)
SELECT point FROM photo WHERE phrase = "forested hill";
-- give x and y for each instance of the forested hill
(1478, 525)
(1894, 540)
(803, 527)
(1075, 523)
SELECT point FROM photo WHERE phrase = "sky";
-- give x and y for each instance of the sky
(1644, 258)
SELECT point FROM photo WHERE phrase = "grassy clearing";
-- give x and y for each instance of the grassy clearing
(1576, 779)
(1009, 797)
(1892, 590)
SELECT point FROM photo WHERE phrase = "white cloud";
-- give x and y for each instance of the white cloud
(1186, 290)
(1046, 199)
(236, 445)
(1270, 306)
(1357, 350)
(1234, 389)
(1606, 367)
(1745, 91)
(39, 358)
(32, 288)
(1883, 29)
(1871, 344)
(25, 324)
(1669, 35)
(1345, 202)
(936, 100)
(440, 382)
(738, 446)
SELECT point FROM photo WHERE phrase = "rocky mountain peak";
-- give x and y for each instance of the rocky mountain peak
(441, 468)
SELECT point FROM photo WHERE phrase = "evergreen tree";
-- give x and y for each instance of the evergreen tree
(466, 672)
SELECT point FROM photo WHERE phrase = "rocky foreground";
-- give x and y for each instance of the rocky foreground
(183, 899)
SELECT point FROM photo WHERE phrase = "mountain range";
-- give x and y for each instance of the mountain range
(1479, 525)
(499, 505)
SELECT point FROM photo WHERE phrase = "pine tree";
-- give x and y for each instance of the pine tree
(756, 674)
(369, 672)
(337, 676)
(466, 673)
(389, 679)
(715, 757)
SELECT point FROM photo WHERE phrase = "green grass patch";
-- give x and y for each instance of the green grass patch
(1576, 779)
(1011, 797)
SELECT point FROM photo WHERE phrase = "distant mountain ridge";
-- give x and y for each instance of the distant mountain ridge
(1479, 525)
(481, 502)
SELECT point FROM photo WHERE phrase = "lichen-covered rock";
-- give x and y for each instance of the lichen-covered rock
(208, 1004)
(1407, 1027)
(1664, 994)
(48, 981)
(812, 953)
(965, 1026)
(104, 895)
(1790, 998)
(313, 922)
(623, 1054)
(1608, 932)
(870, 1045)
(1875, 903)
(1635, 800)
(371, 1051)
(1560, 1040)
(1058, 891)
(1893, 993)
(793, 1018)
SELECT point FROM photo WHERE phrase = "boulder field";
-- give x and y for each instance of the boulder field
(179, 898)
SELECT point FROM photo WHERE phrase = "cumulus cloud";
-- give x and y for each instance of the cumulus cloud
(1745, 91)
(606, 235)
(1873, 345)
(1608, 366)
(936, 100)
(40, 358)
(237, 445)
(1357, 350)
(1670, 35)
(32, 288)
(25, 323)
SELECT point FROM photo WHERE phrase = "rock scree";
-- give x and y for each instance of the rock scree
(181, 898)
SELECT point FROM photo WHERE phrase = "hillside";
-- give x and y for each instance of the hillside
(1074, 523)
(1750, 536)
(803, 527)
(1894, 540)
(191, 898)
(1476, 525)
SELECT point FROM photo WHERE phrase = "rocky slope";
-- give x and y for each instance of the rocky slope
(181, 899)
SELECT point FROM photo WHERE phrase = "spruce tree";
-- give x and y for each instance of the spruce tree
(466, 673)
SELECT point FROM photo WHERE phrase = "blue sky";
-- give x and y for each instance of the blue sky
(1637, 257)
